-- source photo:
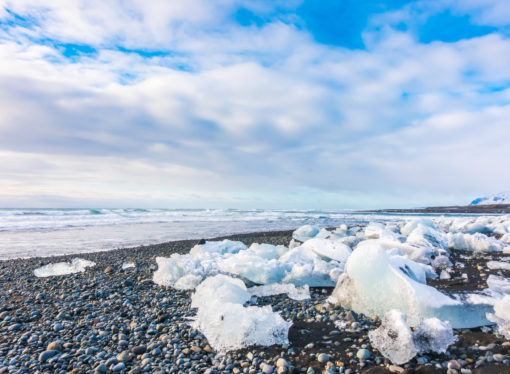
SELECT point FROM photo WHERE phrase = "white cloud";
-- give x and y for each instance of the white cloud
(264, 112)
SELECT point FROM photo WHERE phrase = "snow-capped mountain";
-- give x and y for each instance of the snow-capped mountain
(500, 198)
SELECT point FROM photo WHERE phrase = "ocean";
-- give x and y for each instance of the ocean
(49, 232)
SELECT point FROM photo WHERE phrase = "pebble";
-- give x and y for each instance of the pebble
(363, 354)
(322, 357)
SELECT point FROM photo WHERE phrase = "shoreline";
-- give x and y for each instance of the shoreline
(111, 320)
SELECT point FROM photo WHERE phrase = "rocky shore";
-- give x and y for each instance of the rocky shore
(111, 320)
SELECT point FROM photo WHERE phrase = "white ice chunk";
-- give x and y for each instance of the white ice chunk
(255, 268)
(501, 316)
(306, 267)
(445, 274)
(227, 324)
(498, 265)
(371, 285)
(474, 242)
(188, 282)
(424, 255)
(293, 292)
(376, 230)
(414, 270)
(433, 335)
(499, 284)
(221, 247)
(128, 265)
(305, 232)
(329, 249)
(426, 236)
(394, 338)
(171, 269)
(505, 239)
(77, 265)
(412, 224)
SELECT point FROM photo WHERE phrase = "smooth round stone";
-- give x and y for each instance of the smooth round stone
(123, 356)
(120, 366)
(54, 346)
(363, 354)
(323, 357)
(281, 362)
(266, 368)
(139, 349)
(101, 368)
(46, 355)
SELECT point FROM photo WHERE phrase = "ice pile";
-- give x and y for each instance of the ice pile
(77, 265)
(475, 242)
(227, 324)
(395, 340)
(293, 292)
(498, 265)
(501, 316)
(317, 262)
(373, 286)
(499, 284)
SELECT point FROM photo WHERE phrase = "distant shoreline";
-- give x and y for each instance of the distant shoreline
(473, 209)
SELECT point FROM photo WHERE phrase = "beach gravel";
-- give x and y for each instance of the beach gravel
(109, 320)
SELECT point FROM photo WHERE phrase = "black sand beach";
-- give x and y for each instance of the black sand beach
(108, 320)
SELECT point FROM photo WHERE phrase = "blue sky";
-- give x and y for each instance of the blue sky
(260, 104)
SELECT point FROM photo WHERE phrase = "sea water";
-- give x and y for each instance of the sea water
(47, 232)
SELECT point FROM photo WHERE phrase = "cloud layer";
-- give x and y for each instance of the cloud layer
(187, 105)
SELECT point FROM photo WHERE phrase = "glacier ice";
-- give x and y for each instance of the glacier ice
(293, 292)
(221, 247)
(329, 249)
(427, 236)
(255, 268)
(433, 335)
(394, 338)
(498, 265)
(397, 342)
(306, 267)
(77, 265)
(373, 286)
(305, 232)
(128, 265)
(412, 224)
(501, 316)
(474, 242)
(499, 284)
(227, 324)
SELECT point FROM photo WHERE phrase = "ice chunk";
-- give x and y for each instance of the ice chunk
(474, 242)
(499, 284)
(171, 269)
(267, 251)
(412, 224)
(323, 234)
(255, 268)
(445, 274)
(305, 232)
(414, 270)
(188, 282)
(498, 265)
(227, 324)
(293, 292)
(371, 285)
(128, 265)
(376, 230)
(221, 247)
(77, 265)
(426, 236)
(424, 255)
(329, 249)
(394, 338)
(505, 239)
(433, 335)
(501, 316)
(306, 267)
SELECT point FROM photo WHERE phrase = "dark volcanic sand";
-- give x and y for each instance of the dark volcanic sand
(88, 316)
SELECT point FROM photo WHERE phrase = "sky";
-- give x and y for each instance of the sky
(308, 104)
